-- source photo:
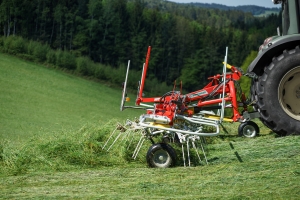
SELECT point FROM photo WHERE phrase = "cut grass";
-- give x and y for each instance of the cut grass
(39, 100)
(267, 168)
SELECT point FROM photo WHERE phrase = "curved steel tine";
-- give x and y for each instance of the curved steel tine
(137, 146)
(182, 149)
(188, 151)
(114, 141)
(201, 143)
(196, 149)
(137, 152)
(109, 137)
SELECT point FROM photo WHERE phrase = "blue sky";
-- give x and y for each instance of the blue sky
(263, 3)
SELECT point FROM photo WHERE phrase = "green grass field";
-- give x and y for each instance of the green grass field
(53, 126)
(39, 100)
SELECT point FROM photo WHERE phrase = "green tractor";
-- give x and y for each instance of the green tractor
(275, 88)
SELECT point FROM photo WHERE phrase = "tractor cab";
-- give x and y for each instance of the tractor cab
(290, 16)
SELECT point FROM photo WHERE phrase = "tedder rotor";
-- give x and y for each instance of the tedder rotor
(186, 119)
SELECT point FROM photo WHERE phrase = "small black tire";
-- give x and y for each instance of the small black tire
(248, 129)
(161, 155)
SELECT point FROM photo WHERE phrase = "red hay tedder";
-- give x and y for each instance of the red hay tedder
(187, 118)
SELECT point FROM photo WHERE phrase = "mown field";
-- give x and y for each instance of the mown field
(53, 126)
(261, 168)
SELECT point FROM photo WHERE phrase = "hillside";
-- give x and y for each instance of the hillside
(39, 100)
(255, 10)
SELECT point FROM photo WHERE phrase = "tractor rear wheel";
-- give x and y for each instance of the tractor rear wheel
(277, 93)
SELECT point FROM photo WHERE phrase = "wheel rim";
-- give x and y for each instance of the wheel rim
(161, 158)
(289, 93)
(249, 131)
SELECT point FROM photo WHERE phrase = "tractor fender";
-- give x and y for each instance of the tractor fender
(273, 48)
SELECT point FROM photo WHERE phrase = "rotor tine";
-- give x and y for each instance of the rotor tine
(139, 148)
(126, 133)
(194, 146)
(132, 137)
(114, 141)
(188, 151)
(109, 137)
(136, 148)
(182, 149)
(127, 137)
(182, 139)
(201, 143)
(203, 140)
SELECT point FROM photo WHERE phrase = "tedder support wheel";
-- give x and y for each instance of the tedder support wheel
(161, 155)
(277, 92)
(248, 129)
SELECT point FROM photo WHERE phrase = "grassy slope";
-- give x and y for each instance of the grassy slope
(38, 100)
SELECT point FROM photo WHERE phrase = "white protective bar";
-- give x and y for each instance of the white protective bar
(146, 105)
(224, 85)
(124, 88)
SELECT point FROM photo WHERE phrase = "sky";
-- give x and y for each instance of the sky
(263, 3)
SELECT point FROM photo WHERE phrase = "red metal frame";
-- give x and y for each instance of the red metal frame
(175, 103)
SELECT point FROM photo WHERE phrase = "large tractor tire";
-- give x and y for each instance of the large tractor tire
(277, 93)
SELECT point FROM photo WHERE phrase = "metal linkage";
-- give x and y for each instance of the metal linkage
(193, 120)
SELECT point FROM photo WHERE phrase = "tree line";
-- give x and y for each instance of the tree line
(255, 10)
(188, 42)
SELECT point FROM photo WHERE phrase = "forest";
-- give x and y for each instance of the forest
(188, 42)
